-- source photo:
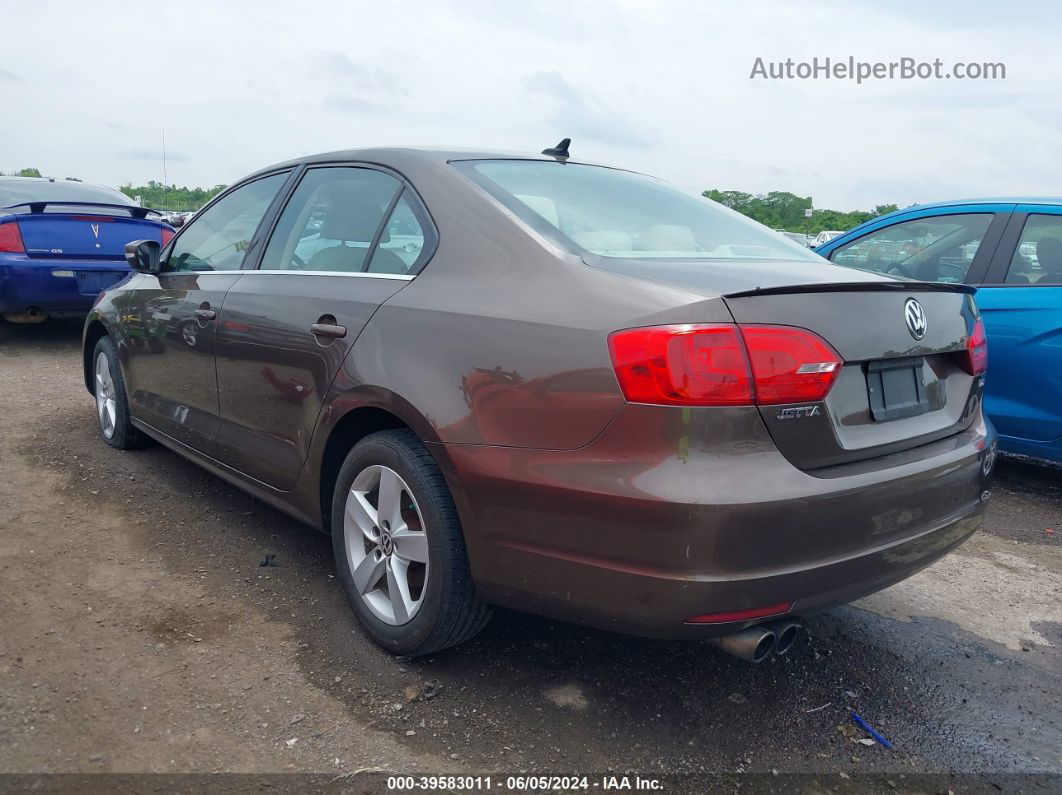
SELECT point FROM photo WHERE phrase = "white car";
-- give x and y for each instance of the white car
(825, 237)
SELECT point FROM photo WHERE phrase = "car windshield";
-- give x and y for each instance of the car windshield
(20, 191)
(613, 213)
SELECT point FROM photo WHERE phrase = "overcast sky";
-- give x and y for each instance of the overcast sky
(663, 87)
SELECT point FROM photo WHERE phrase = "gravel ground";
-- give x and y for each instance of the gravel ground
(138, 633)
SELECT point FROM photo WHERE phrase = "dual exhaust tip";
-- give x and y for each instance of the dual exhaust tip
(757, 643)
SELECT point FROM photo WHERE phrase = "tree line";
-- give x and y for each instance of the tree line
(169, 197)
(783, 210)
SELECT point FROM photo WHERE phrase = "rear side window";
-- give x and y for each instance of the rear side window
(331, 220)
(17, 190)
(1038, 257)
(938, 249)
(217, 239)
(401, 247)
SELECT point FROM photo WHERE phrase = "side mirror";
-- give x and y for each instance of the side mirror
(143, 256)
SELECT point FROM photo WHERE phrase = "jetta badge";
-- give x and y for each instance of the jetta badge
(797, 412)
(915, 317)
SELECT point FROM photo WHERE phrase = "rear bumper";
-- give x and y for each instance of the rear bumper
(675, 513)
(27, 283)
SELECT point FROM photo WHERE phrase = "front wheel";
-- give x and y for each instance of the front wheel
(112, 404)
(399, 547)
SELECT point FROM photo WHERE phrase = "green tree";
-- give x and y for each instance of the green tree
(777, 209)
(29, 172)
(783, 209)
(734, 199)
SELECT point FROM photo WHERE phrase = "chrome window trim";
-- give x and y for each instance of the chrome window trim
(361, 274)
(398, 276)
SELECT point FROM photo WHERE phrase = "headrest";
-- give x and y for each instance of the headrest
(354, 211)
(1049, 254)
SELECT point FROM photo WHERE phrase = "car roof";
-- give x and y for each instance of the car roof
(985, 200)
(917, 208)
(386, 155)
(1050, 200)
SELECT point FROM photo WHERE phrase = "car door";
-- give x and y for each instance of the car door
(1021, 302)
(349, 238)
(170, 374)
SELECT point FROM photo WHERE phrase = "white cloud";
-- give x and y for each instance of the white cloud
(661, 87)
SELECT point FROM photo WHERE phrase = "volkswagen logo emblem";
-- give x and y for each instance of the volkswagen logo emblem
(915, 317)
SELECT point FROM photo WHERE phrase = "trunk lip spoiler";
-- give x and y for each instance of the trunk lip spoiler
(135, 211)
(856, 287)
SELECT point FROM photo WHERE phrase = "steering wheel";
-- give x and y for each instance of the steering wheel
(298, 262)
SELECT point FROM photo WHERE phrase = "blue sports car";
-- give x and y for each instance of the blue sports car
(1011, 250)
(61, 243)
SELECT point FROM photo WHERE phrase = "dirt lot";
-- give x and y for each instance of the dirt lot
(138, 632)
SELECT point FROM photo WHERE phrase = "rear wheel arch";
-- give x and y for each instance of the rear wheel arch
(93, 334)
(350, 429)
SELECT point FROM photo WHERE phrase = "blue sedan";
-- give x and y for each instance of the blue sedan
(61, 243)
(1011, 250)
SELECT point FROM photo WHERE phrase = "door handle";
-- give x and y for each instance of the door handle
(328, 330)
(205, 314)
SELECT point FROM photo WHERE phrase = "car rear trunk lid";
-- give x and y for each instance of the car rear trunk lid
(899, 387)
(84, 235)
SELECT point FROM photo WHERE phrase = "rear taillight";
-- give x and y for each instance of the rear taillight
(11, 238)
(167, 236)
(977, 349)
(682, 365)
(790, 365)
(722, 365)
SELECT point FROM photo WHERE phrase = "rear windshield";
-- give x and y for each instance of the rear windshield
(613, 213)
(20, 191)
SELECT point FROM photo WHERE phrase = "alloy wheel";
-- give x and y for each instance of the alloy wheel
(106, 407)
(386, 545)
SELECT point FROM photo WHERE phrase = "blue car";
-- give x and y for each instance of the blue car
(1011, 250)
(61, 243)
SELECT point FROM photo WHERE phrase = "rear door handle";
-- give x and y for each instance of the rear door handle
(328, 330)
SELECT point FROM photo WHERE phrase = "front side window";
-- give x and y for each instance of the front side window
(937, 249)
(331, 220)
(1038, 257)
(218, 238)
(612, 213)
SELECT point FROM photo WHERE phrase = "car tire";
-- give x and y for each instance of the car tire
(437, 607)
(112, 404)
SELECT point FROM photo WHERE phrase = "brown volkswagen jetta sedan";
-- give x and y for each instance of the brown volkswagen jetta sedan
(553, 386)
